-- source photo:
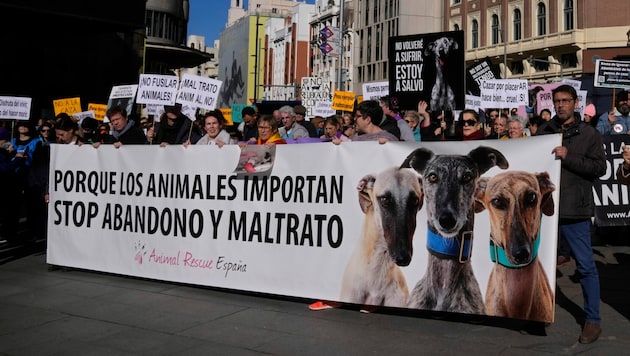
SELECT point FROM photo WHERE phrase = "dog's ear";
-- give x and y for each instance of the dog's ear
(418, 159)
(488, 157)
(480, 193)
(546, 188)
(365, 187)
(429, 49)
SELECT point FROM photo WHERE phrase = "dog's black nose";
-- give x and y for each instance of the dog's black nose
(447, 220)
(521, 255)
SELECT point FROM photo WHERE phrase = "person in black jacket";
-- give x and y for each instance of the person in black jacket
(583, 161)
(124, 130)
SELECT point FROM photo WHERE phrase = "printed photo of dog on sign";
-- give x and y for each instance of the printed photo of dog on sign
(463, 229)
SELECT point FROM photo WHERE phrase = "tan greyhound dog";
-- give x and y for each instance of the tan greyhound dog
(391, 201)
(518, 286)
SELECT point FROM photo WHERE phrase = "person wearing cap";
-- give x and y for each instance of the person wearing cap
(589, 115)
(249, 127)
(300, 119)
(617, 120)
(291, 130)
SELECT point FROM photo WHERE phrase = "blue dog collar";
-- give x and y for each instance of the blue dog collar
(498, 255)
(459, 247)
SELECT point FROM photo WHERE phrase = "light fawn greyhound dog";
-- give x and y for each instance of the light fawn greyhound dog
(442, 95)
(518, 286)
(449, 183)
(390, 200)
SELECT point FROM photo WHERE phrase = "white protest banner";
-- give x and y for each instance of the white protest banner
(198, 92)
(375, 90)
(323, 109)
(15, 108)
(504, 93)
(157, 89)
(312, 90)
(291, 231)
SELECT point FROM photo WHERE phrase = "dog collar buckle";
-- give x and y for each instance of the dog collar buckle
(463, 247)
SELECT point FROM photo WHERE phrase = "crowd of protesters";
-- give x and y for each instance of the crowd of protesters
(25, 146)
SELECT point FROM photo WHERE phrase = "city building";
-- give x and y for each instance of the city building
(244, 43)
(375, 21)
(209, 69)
(332, 57)
(287, 53)
(166, 30)
(541, 39)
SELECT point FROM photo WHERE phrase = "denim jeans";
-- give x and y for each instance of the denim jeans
(578, 235)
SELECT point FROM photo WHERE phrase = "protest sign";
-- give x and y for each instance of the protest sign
(323, 109)
(612, 74)
(98, 109)
(157, 89)
(504, 93)
(69, 106)
(123, 96)
(375, 90)
(198, 91)
(427, 67)
(343, 100)
(312, 90)
(15, 108)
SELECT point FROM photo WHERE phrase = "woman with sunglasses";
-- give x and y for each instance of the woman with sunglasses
(471, 127)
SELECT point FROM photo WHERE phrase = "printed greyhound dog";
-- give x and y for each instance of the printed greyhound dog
(442, 96)
(391, 201)
(449, 183)
(518, 286)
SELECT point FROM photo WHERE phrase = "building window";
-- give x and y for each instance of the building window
(455, 2)
(456, 27)
(475, 34)
(517, 25)
(542, 19)
(568, 15)
(569, 60)
(495, 29)
(517, 67)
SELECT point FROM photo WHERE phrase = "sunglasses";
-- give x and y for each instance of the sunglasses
(469, 122)
(46, 130)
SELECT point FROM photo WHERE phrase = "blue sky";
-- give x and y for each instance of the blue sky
(208, 18)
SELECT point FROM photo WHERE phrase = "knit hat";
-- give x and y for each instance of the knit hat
(590, 110)
(622, 95)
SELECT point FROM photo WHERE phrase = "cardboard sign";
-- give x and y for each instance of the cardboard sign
(343, 100)
(15, 108)
(69, 106)
(157, 89)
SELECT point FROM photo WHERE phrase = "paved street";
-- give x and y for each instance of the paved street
(78, 312)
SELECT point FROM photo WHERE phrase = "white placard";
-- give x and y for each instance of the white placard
(157, 89)
(198, 92)
(504, 93)
(15, 108)
(375, 90)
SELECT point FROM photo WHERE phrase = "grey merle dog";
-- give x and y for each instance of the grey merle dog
(449, 183)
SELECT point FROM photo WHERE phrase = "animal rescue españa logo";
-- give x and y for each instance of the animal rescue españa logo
(186, 259)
